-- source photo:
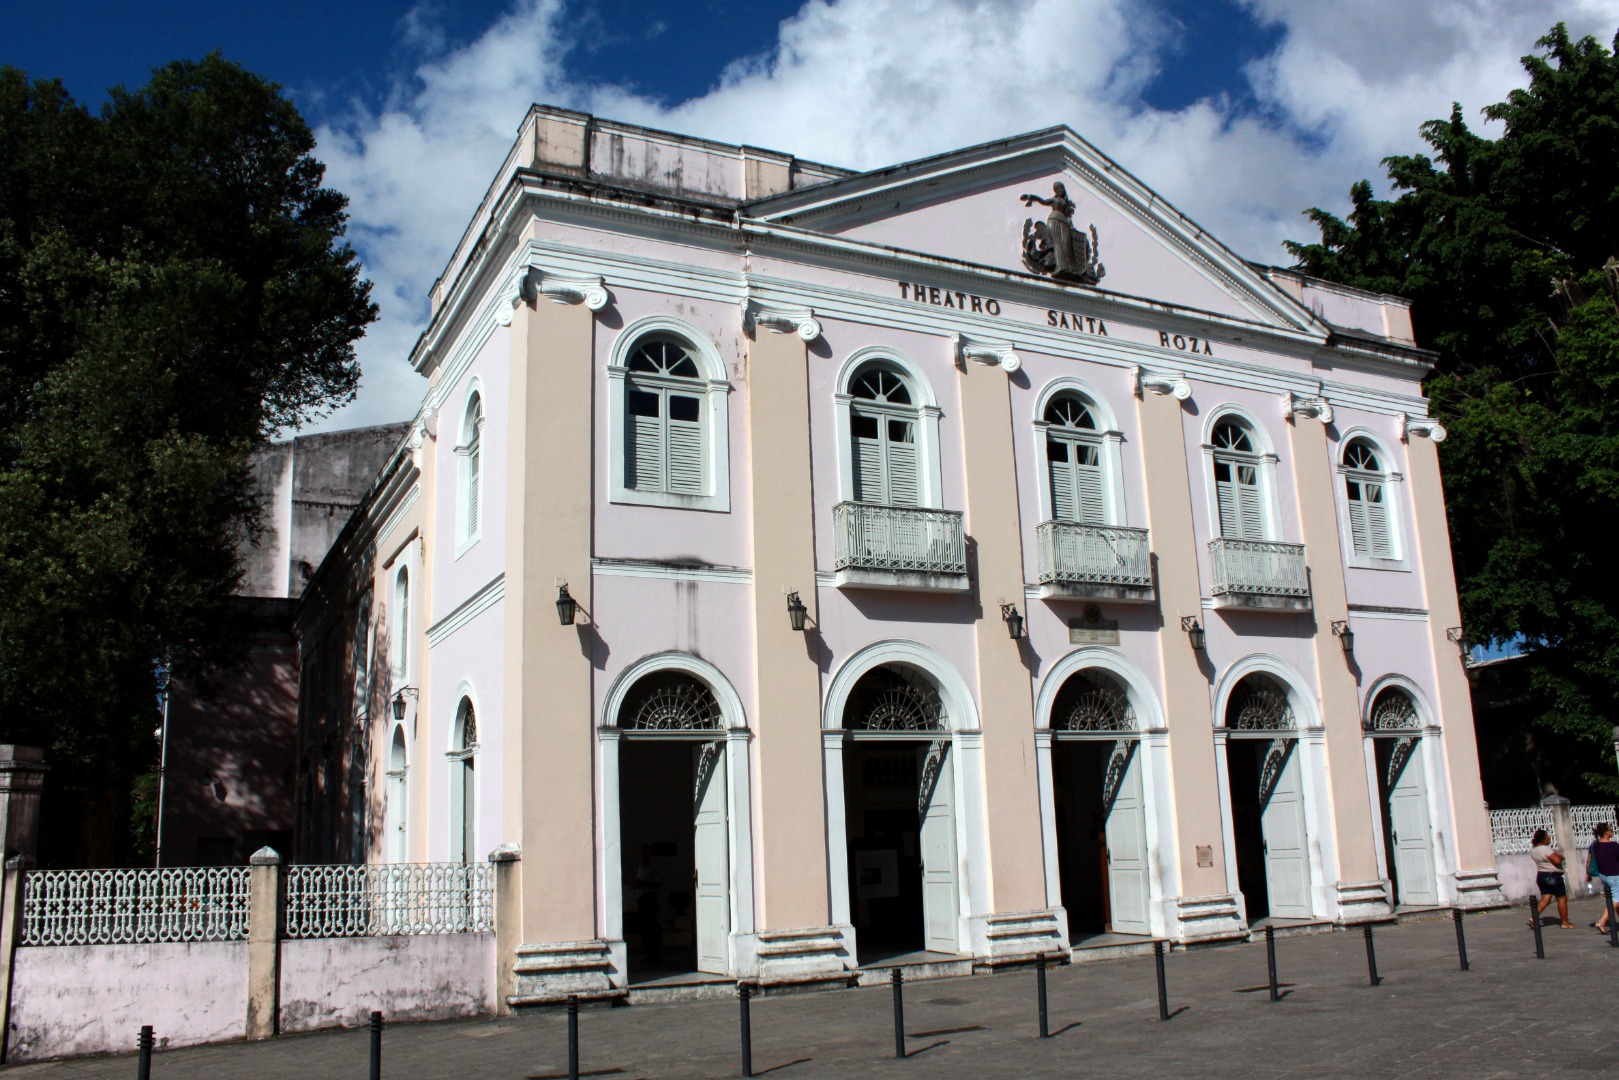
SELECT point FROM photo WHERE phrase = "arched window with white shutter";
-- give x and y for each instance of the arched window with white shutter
(469, 489)
(400, 629)
(1239, 482)
(1370, 506)
(667, 396)
(888, 431)
(1074, 463)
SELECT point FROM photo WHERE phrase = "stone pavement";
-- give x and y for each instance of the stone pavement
(1510, 1016)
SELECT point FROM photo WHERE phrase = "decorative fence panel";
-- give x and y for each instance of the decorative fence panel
(389, 898)
(121, 907)
(1586, 817)
(1513, 829)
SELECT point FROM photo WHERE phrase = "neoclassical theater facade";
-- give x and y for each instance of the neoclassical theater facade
(796, 569)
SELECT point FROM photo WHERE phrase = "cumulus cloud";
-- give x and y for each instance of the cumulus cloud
(866, 83)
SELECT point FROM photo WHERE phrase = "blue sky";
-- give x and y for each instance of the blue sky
(1241, 113)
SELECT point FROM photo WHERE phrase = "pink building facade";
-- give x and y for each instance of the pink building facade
(955, 576)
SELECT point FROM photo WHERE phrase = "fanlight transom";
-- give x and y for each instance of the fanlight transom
(1259, 704)
(1393, 710)
(671, 702)
(894, 699)
(1092, 701)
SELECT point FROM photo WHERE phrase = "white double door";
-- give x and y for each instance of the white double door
(1286, 840)
(711, 849)
(936, 805)
(1128, 888)
(1410, 834)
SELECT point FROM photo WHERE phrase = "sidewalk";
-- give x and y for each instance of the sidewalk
(1510, 1016)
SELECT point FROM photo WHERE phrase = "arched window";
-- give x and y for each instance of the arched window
(894, 697)
(1237, 482)
(664, 444)
(398, 801)
(463, 784)
(362, 658)
(1393, 710)
(1259, 703)
(883, 422)
(470, 453)
(401, 626)
(1371, 530)
(670, 701)
(669, 441)
(1074, 462)
(1092, 700)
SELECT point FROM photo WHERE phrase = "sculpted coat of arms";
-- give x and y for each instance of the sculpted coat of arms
(1055, 247)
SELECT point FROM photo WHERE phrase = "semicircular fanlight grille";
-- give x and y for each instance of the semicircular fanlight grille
(1394, 711)
(886, 700)
(671, 702)
(1092, 701)
(1259, 704)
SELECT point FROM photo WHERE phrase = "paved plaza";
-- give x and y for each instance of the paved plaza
(1510, 1016)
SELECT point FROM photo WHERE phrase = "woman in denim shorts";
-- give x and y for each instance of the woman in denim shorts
(1605, 853)
(1549, 878)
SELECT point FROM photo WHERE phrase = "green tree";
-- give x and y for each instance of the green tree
(1509, 251)
(174, 288)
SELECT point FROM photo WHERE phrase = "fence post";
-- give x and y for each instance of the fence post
(1563, 837)
(22, 779)
(508, 923)
(264, 944)
(11, 927)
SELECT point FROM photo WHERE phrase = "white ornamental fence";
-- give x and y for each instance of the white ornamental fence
(1513, 829)
(389, 898)
(124, 907)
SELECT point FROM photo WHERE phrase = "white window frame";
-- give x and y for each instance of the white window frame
(364, 647)
(716, 391)
(457, 756)
(1264, 457)
(929, 474)
(399, 622)
(396, 807)
(1110, 439)
(474, 416)
(1394, 497)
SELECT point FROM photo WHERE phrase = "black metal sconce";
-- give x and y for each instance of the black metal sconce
(567, 606)
(1014, 621)
(1345, 636)
(796, 611)
(1194, 632)
(399, 701)
(1458, 636)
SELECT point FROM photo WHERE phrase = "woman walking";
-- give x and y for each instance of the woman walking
(1605, 856)
(1549, 878)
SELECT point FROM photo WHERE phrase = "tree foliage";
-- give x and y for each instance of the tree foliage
(174, 288)
(1508, 248)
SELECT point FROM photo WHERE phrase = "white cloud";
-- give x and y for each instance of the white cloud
(866, 83)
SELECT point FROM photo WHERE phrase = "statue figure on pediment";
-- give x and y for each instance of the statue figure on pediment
(1055, 247)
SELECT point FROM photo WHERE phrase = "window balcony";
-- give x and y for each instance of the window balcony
(899, 547)
(1094, 562)
(1259, 574)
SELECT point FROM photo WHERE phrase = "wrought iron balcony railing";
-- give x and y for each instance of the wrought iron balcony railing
(1260, 572)
(1075, 554)
(900, 539)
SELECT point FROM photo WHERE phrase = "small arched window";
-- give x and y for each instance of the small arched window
(398, 801)
(463, 783)
(401, 626)
(1074, 462)
(470, 453)
(1366, 485)
(665, 445)
(1237, 482)
(883, 422)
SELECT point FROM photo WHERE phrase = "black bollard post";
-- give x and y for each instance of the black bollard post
(1040, 990)
(1163, 989)
(1540, 941)
(1371, 956)
(899, 1013)
(1613, 924)
(573, 1037)
(743, 993)
(376, 1046)
(143, 1069)
(1270, 960)
(1461, 940)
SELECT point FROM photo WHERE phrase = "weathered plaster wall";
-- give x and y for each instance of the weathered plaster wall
(337, 982)
(92, 999)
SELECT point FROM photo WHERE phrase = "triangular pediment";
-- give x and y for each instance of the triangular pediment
(968, 206)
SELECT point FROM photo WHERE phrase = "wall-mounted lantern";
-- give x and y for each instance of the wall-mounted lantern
(1014, 621)
(1459, 638)
(796, 611)
(1194, 632)
(1345, 636)
(399, 701)
(567, 606)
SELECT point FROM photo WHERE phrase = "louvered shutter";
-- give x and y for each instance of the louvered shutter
(1062, 481)
(1088, 485)
(869, 485)
(1378, 533)
(404, 627)
(474, 485)
(644, 467)
(1252, 527)
(903, 489)
(685, 454)
(1225, 491)
(1358, 536)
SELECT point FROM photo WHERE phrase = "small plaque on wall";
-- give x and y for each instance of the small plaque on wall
(1092, 629)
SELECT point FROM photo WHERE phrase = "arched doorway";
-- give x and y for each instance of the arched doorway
(676, 884)
(1394, 729)
(1265, 791)
(899, 808)
(1099, 806)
